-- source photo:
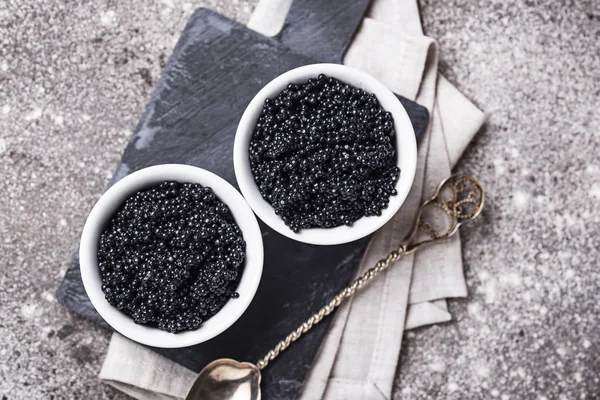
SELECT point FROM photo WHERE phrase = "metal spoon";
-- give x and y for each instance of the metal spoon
(457, 200)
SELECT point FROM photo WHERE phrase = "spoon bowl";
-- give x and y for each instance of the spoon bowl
(227, 379)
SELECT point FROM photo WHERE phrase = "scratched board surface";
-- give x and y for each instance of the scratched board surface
(215, 70)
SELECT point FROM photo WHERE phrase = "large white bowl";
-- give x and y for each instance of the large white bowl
(406, 146)
(105, 209)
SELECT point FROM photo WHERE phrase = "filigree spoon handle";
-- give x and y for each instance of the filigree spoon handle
(457, 200)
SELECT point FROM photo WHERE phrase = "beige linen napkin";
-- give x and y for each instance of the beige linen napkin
(359, 355)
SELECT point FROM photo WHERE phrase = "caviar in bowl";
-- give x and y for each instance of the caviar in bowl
(325, 154)
(219, 295)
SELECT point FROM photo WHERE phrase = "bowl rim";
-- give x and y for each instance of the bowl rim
(105, 208)
(406, 146)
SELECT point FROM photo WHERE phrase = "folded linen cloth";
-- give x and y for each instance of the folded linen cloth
(359, 356)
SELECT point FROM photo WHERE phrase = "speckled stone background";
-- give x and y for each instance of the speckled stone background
(74, 77)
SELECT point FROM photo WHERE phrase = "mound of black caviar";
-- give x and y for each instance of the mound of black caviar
(172, 256)
(322, 154)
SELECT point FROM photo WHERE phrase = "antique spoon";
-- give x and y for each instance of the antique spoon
(457, 200)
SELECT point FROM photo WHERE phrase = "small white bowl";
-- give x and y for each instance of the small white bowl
(406, 146)
(105, 209)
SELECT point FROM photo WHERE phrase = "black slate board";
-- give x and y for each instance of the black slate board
(215, 70)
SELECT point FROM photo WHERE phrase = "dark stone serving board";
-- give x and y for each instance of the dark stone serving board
(215, 70)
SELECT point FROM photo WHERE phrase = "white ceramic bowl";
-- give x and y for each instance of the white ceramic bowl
(405, 144)
(105, 209)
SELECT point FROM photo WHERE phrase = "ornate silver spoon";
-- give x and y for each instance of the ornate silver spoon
(457, 200)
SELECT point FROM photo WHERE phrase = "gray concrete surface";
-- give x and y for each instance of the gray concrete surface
(74, 77)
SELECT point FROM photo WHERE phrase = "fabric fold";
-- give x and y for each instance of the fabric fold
(427, 313)
(143, 373)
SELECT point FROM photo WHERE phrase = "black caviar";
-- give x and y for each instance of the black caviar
(172, 256)
(322, 154)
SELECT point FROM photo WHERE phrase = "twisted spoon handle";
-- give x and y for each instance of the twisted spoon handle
(328, 308)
